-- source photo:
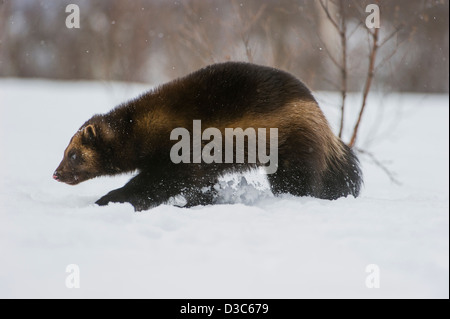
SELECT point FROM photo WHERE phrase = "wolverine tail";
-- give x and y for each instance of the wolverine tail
(343, 175)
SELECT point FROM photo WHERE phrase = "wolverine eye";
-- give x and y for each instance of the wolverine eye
(73, 157)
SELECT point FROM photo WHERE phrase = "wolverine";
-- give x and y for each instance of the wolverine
(136, 136)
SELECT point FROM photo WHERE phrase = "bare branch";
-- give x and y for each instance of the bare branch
(378, 163)
(368, 84)
(389, 56)
(392, 34)
(341, 28)
(343, 34)
(327, 51)
(330, 82)
(247, 23)
(350, 34)
(327, 12)
(195, 37)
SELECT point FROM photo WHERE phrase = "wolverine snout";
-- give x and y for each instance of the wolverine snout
(56, 176)
(63, 175)
(69, 175)
(68, 178)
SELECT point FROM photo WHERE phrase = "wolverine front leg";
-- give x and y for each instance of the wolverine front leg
(149, 189)
(138, 198)
(143, 191)
(119, 195)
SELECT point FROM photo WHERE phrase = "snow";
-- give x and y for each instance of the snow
(258, 247)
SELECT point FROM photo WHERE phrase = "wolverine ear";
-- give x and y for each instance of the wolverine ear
(89, 132)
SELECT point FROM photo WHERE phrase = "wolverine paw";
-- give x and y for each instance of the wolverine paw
(103, 201)
(138, 203)
(111, 197)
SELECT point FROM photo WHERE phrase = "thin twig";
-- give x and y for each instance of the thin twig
(389, 56)
(330, 82)
(247, 22)
(343, 34)
(327, 12)
(368, 84)
(341, 28)
(328, 52)
(378, 163)
(351, 33)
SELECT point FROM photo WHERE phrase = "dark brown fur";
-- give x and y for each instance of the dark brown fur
(135, 136)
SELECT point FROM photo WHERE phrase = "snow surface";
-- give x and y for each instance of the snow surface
(259, 247)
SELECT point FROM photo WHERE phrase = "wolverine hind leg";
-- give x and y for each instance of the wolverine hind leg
(296, 179)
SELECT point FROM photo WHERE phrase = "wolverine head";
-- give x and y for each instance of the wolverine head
(82, 159)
